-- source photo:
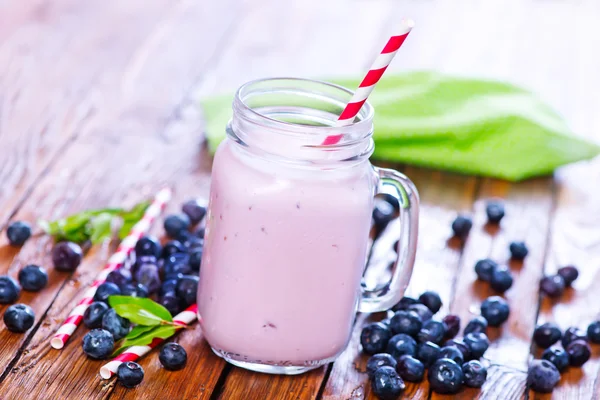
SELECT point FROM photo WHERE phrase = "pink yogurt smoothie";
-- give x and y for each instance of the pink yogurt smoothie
(284, 254)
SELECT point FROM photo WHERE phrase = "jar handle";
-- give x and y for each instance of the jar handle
(385, 297)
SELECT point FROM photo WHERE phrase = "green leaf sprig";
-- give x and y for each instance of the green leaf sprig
(94, 225)
(152, 321)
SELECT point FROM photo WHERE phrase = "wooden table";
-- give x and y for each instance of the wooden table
(98, 106)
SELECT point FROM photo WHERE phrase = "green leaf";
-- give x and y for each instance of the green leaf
(467, 125)
(99, 227)
(139, 310)
(94, 225)
(132, 217)
(137, 331)
(162, 331)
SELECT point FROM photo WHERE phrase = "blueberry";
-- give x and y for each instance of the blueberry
(18, 232)
(195, 258)
(119, 276)
(33, 278)
(195, 210)
(172, 356)
(494, 211)
(168, 286)
(518, 250)
(445, 376)
(572, 334)
(105, 290)
(502, 279)
(569, 274)
(542, 376)
(170, 302)
(187, 289)
(199, 233)
(474, 374)
(485, 269)
(400, 345)
(452, 353)
(477, 324)
(461, 346)
(558, 357)
(130, 374)
(593, 332)
(147, 246)
(461, 226)
(431, 300)
(546, 335)
(406, 322)
(134, 290)
(410, 369)
(178, 263)
(115, 324)
(176, 223)
(172, 247)
(92, 317)
(451, 326)
(98, 344)
(496, 310)
(428, 352)
(387, 384)
(383, 213)
(66, 256)
(404, 303)
(189, 241)
(9, 290)
(579, 352)
(374, 337)
(18, 318)
(478, 343)
(147, 275)
(552, 286)
(432, 331)
(379, 360)
(422, 311)
(139, 261)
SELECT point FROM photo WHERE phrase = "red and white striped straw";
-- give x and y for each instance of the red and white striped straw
(116, 261)
(134, 353)
(367, 85)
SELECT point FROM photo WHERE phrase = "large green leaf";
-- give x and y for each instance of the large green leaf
(460, 124)
(140, 310)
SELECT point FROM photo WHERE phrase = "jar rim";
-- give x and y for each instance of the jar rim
(363, 122)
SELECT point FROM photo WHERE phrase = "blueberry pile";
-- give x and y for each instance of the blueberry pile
(168, 273)
(575, 350)
(413, 344)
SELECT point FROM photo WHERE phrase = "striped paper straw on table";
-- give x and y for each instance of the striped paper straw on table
(116, 261)
(373, 76)
(134, 353)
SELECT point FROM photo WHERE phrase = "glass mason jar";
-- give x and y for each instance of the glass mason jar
(288, 228)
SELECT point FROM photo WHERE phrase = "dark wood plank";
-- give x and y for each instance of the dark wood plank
(120, 160)
(442, 196)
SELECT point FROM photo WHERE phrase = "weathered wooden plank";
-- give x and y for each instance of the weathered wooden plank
(121, 158)
(62, 69)
(575, 240)
(528, 209)
(442, 196)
